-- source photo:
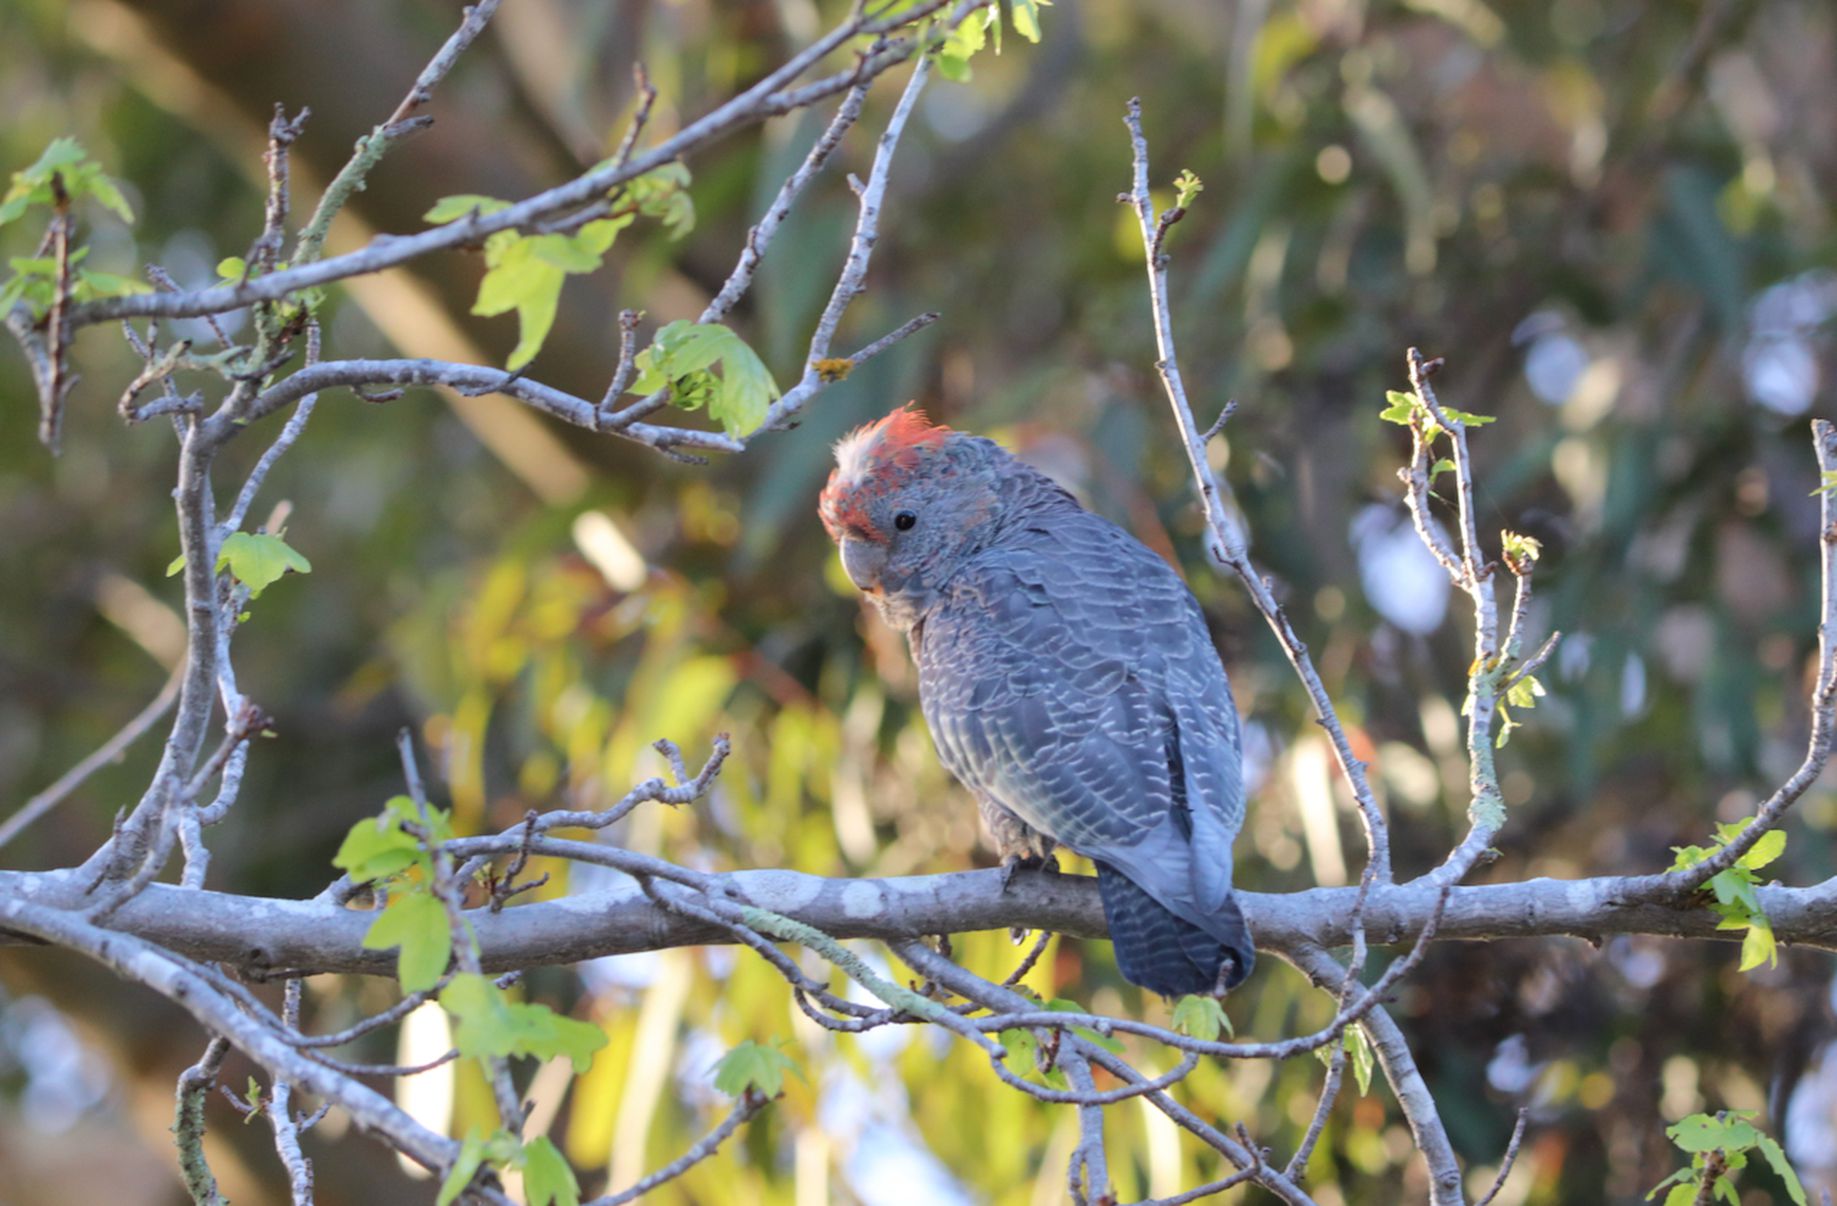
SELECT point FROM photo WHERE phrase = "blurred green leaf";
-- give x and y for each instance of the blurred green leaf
(547, 1178)
(259, 560)
(375, 848)
(681, 357)
(756, 1067)
(1203, 1018)
(451, 209)
(490, 1023)
(415, 923)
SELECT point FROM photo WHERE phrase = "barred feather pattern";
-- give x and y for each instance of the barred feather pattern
(1068, 677)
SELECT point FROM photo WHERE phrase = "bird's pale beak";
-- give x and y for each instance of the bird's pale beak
(863, 561)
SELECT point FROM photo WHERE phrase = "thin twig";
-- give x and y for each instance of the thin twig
(1228, 544)
(108, 752)
(188, 1125)
(1510, 1158)
(647, 96)
(279, 1109)
(371, 148)
(744, 1111)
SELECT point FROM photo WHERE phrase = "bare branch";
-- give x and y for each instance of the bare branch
(1678, 885)
(1228, 544)
(289, 433)
(1510, 1158)
(1393, 1053)
(744, 1111)
(144, 964)
(279, 1108)
(188, 1126)
(767, 98)
(108, 752)
(373, 146)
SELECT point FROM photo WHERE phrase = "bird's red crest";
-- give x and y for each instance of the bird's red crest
(871, 460)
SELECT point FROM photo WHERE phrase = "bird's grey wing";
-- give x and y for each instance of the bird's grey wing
(1071, 678)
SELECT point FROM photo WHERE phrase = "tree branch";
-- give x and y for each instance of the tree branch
(261, 934)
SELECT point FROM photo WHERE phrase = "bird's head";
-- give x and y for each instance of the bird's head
(907, 503)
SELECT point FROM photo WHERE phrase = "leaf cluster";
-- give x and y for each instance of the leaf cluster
(956, 46)
(548, 1180)
(755, 1068)
(1737, 901)
(524, 273)
(1731, 1136)
(66, 165)
(1406, 409)
(682, 359)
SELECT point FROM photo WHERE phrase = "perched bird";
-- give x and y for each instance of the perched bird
(1068, 679)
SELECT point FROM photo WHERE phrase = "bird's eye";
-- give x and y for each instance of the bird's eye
(904, 521)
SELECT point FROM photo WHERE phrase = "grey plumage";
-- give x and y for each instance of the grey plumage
(1069, 680)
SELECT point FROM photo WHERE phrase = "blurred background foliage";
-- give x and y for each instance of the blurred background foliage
(1613, 217)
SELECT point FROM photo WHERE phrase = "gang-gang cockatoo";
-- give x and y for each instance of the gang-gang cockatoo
(1068, 679)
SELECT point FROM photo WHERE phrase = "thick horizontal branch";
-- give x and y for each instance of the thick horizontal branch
(260, 934)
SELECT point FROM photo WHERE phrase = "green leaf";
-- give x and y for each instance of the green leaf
(1525, 692)
(1699, 1133)
(1682, 1195)
(1827, 483)
(962, 44)
(451, 209)
(1736, 887)
(107, 284)
(547, 1179)
(681, 357)
(259, 560)
(663, 193)
(1440, 467)
(1782, 1168)
(756, 1067)
(82, 177)
(1466, 418)
(563, 252)
(1022, 1048)
(1771, 845)
(1758, 946)
(1507, 725)
(1519, 547)
(375, 848)
(16, 289)
(1203, 1018)
(44, 265)
(1401, 407)
(952, 67)
(490, 1023)
(415, 923)
(525, 273)
(1359, 1054)
(252, 1097)
(107, 194)
(1187, 187)
(231, 268)
(465, 1166)
(1680, 1177)
(1025, 16)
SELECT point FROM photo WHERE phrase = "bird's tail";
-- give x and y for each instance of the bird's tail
(1168, 954)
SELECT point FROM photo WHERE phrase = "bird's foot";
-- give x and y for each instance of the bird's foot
(1013, 863)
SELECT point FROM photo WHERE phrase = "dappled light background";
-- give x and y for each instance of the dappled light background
(1612, 217)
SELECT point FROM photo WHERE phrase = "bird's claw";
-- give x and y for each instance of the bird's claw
(1013, 863)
